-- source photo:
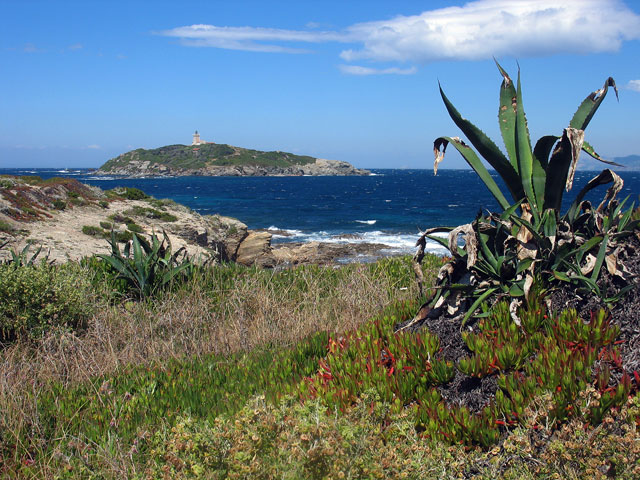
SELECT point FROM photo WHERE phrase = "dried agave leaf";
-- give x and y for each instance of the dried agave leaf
(470, 243)
(439, 155)
(439, 303)
(446, 271)
(513, 310)
(613, 190)
(527, 250)
(576, 139)
(616, 267)
(590, 265)
(528, 283)
(454, 303)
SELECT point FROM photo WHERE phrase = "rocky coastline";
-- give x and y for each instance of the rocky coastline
(71, 220)
(321, 167)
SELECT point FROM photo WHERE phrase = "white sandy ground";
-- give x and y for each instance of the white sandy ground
(61, 236)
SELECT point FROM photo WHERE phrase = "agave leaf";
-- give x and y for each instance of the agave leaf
(543, 148)
(549, 226)
(590, 105)
(589, 149)
(612, 191)
(487, 253)
(600, 258)
(559, 164)
(590, 264)
(576, 138)
(604, 177)
(525, 156)
(561, 276)
(507, 116)
(476, 304)
(116, 263)
(442, 241)
(487, 149)
(474, 162)
(508, 213)
(524, 265)
(470, 247)
(624, 221)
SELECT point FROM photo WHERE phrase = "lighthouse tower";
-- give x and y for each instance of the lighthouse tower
(196, 139)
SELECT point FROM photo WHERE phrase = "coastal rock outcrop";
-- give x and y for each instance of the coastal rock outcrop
(71, 220)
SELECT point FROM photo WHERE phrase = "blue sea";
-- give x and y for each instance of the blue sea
(388, 207)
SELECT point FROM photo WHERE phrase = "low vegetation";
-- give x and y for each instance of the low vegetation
(76, 399)
(193, 157)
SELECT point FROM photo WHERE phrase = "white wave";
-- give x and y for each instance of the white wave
(100, 178)
(395, 243)
(287, 233)
(367, 222)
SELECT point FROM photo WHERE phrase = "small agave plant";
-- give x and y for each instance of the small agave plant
(529, 238)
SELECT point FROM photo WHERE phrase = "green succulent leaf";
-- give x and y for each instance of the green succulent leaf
(487, 149)
(525, 156)
(589, 149)
(543, 148)
(507, 116)
(474, 162)
(590, 105)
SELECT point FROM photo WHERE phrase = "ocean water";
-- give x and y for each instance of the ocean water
(389, 207)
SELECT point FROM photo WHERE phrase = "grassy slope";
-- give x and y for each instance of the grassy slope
(193, 157)
(191, 384)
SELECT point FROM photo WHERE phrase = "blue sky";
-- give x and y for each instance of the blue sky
(85, 81)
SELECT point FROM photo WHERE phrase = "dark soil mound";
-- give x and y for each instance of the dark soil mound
(475, 393)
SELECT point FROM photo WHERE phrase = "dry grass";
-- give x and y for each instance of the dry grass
(258, 308)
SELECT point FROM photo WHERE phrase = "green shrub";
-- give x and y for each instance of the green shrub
(123, 237)
(106, 225)
(151, 213)
(91, 230)
(37, 298)
(129, 193)
(5, 227)
(59, 204)
(103, 204)
(134, 227)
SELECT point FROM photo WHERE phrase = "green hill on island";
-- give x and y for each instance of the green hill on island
(199, 156)
(221, 160)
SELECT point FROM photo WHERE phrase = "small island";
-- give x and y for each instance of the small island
(203, 158)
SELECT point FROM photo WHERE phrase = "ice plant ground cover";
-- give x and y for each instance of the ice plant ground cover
(357, 399)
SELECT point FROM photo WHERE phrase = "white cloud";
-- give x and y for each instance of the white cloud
(487, 28)
(359, 70)
(249, 38)
(476, 30)
(634, 85)
(94, 147)
(30, 48)
(75, 46)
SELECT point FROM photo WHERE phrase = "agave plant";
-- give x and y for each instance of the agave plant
(22, 259)
(147, 266)
(529, 238)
